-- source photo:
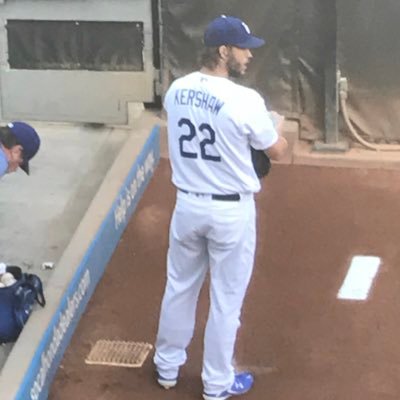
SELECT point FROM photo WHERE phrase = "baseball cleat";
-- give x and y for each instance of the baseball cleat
(242, 384)
(166, 383)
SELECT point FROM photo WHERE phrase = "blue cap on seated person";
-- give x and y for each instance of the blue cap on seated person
(231, 31)
(28, 138)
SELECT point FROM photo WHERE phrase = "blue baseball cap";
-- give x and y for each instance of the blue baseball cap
(231, 31)
(28, 138)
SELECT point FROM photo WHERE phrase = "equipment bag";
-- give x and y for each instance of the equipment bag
(16, 302)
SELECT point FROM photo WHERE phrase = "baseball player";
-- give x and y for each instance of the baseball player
(19, 142)
(212, 123)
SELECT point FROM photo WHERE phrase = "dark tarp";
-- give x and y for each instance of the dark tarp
(369, 55)
(289, 71)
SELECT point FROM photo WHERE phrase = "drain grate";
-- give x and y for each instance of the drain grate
(119, 353)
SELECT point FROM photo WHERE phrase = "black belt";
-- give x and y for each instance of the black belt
(221, 197)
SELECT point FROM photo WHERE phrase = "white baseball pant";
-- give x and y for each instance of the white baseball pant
(218, 236)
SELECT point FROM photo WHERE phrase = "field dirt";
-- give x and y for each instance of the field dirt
(301, 342)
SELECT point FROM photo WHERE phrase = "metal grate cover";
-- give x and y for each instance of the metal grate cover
(119, 353)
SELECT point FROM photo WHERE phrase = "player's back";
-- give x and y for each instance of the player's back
(208, 145)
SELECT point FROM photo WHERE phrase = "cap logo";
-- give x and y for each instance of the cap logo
(246, 27)
(10, 125)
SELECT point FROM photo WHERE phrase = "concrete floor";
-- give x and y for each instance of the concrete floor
(39, 213)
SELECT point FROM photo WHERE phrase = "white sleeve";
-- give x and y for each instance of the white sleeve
(257, 123)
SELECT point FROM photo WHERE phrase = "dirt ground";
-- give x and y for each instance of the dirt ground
(301, 342)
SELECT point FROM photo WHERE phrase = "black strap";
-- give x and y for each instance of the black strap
(36, 284)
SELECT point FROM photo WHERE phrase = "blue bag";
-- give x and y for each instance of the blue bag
(16, 302)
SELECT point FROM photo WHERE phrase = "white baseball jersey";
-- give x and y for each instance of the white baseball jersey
(212, 122)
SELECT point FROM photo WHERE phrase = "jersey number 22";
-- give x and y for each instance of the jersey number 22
(203, 144)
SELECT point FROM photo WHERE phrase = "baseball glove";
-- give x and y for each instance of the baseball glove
(261, 162)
